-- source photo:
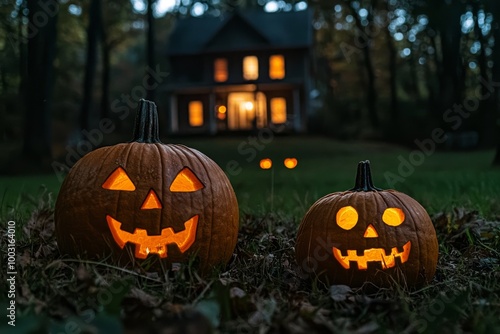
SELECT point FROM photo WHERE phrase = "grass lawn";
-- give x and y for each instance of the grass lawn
(260, 290)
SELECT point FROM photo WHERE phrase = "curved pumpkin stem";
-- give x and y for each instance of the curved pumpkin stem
(364, 178)
(146, 123)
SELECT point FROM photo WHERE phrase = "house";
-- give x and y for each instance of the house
(242, 71)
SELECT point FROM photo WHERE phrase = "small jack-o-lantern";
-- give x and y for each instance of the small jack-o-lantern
(145, 198)
(367, 235)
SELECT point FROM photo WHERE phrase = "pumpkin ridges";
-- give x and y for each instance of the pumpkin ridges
(426, 235)
(161, 186)
(398, 235)
(83, 193)
(418, 250)
(202, 232)
(215, 177)
(370, 206)
(428, 243)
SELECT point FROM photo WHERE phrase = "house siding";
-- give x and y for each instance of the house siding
(192, 78)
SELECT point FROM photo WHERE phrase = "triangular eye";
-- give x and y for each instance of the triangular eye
(186, 181)
(119, 180)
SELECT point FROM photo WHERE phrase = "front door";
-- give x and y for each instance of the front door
(246, 111)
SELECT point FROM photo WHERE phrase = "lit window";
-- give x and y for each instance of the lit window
(220, 70)
(195, 113)
(278, 110)
(250, 68)
(276, 67)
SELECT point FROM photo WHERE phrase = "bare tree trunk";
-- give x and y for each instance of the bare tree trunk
(41, 52)
(451, 78)
(486, 112)
(496, 80)
(23, 60)
(371, 94)
(393, 77)
(433, 92)
(150, 48)
(106, 71)
(93, 32)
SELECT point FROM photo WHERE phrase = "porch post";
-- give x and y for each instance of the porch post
(212, 124)
(174, 117)
(297, 117)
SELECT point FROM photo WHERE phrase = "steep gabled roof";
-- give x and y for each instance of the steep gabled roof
(248, 29)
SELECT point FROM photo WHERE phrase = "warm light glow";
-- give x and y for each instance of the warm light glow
(261, 110)
(370, 232)
(119, 180)
(246, 110)
(186, 181)
(248, 105)
(290, 163)
(393, 216)
(250, 68)
(347, 217)
(372, 255)
(155, 244)
(278, 110)
(220, 70)
(276, 67)
(195, 113)
(266, 163)
(151, 202)
(221, 112)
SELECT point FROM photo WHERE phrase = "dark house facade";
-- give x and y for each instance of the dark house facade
(244, 71)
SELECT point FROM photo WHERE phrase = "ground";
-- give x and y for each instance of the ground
(261, 289)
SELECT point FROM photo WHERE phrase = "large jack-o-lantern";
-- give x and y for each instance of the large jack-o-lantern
(145, 198)
(367, 235)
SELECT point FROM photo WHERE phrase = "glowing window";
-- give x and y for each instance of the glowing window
(276, 67)
(220, 70)
(278, 110)
(250, 68)
(195, 113)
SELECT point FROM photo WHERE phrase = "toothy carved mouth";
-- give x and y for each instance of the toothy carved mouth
(156, 244)
(373, 255)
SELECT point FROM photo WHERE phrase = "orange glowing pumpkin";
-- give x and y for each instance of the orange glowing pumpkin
(367, 235)
(145, 198)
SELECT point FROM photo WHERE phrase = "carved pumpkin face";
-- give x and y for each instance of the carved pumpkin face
(367, 235)
(185, 181)
(145, 198)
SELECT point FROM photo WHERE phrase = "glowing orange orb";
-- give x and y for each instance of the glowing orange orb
(290, 163)
(266, 163)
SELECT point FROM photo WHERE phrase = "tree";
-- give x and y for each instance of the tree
(41, 52)
(444, 20)
(116, 18)
(106, 47)
(496, 75)
(486, 112)
(150, 46)
(391, 48)
(93, 34)
(371, 94)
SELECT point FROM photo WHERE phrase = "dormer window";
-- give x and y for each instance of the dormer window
(220, 70)
(276, 67)
(250, 68)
